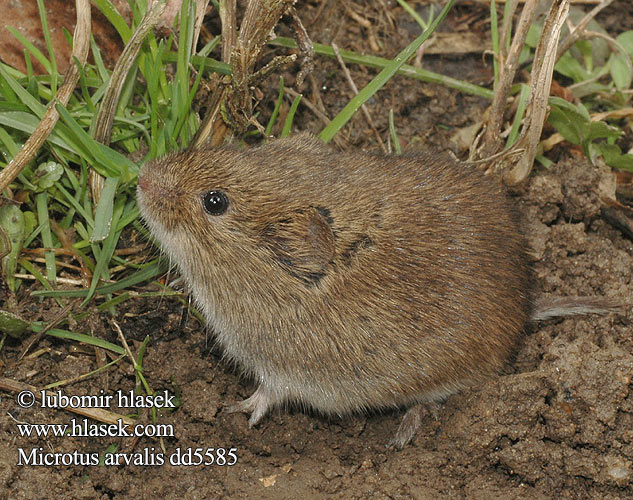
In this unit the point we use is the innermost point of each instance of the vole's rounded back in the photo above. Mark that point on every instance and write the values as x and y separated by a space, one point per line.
344 281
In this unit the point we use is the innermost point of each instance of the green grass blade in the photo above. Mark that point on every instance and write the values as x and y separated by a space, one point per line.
105 207
113 302
85 93
208 48
506 14
110 12
30 74
78 337
204 62
9 96
49 45
285 132
35 272
518 116
41 200
381 79
130 214
34 105
27 123
275 113
187 13
9 144
103 72
411 11
37 53
380 62
114 164
107 250
151 271
394 135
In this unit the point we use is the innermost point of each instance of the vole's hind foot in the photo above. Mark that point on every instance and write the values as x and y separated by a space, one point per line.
257 405
411 422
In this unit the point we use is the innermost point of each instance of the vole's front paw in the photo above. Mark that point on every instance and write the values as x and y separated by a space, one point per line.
257 405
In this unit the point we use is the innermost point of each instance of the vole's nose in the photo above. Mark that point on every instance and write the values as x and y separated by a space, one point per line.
152 184
143 181
148 182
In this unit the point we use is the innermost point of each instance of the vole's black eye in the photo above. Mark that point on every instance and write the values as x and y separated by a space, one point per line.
215 202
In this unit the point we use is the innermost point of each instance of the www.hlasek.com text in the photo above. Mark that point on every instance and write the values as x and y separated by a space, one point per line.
85 428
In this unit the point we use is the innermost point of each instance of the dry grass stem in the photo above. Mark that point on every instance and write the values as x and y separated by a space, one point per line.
98 414
306 47
575 34
318 113
228 18
507 70
229 108
506 29
201 10
81 44
124 343
105 115
541 82
354 88
56 320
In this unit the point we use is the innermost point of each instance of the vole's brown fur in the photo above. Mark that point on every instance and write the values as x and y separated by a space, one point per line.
345 281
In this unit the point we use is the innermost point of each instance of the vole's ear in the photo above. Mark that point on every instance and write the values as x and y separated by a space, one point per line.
302 243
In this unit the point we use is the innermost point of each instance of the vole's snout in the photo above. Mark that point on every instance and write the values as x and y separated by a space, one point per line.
143 180
151 185
147 179
159 198
148 192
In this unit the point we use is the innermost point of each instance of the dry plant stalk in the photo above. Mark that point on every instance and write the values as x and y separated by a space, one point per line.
306 47
354 88
507 69
578 30
228 18
81 44
518 166
230 105
201 10
517 162
105 116
542 73
212 130
573 2
107 109
99 414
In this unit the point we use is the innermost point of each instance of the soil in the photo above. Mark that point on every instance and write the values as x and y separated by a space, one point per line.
558 423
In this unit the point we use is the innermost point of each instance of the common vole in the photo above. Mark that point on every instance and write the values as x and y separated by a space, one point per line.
344 281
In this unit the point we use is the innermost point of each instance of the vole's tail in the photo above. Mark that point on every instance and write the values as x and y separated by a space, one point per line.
556 307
